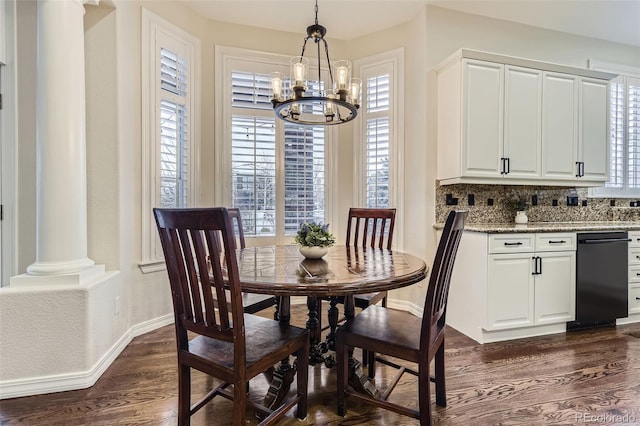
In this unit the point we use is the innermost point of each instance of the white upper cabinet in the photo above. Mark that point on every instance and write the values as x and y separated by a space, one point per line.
560 126
522 118
510 120
483 105
593 150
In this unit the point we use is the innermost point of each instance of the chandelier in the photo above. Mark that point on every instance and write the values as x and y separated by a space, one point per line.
296 100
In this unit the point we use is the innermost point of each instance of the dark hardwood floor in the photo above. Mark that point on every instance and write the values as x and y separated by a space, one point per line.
584 377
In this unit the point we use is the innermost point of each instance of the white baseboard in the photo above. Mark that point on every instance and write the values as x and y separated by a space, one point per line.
82 379
403 305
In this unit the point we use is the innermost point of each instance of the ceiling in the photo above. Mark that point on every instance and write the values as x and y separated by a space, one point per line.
613 20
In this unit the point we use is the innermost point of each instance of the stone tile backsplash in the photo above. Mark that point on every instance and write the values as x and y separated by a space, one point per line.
587 210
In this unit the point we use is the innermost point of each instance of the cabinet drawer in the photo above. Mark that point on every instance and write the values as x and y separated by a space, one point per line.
634 274
634 299
634 236
634 256
511 243
564 241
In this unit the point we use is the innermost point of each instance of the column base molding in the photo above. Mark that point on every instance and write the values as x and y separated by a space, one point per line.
69 278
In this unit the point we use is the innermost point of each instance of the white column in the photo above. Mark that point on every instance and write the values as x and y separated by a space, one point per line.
61 141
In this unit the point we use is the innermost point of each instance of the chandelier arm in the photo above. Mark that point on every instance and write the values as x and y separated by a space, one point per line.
319 68
326 51
304 45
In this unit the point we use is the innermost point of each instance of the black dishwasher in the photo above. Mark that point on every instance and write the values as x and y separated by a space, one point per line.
602 287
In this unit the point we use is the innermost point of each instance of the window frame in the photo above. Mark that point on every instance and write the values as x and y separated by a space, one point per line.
391 62
8 143
604 191
156 33
227 60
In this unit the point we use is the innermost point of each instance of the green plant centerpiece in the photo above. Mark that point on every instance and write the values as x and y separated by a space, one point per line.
314 240
517 203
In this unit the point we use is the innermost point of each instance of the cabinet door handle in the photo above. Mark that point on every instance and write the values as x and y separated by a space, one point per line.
557 242
539 260
508 165
577 169
537 265
503 168
638 257
637 298
513 244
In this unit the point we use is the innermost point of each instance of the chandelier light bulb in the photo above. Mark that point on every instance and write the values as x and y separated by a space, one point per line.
276 85
355 89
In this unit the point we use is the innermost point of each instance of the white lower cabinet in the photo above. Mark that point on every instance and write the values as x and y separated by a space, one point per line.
513 285
527 289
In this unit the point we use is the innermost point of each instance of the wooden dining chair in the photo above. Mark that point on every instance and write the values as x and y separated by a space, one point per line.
403 336
367 227
252 302
229 345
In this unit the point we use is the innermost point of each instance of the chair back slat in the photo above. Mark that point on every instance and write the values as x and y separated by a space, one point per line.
200 268
234 214
370 227
433 320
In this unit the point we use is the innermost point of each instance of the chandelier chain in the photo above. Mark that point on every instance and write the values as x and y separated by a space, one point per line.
316 9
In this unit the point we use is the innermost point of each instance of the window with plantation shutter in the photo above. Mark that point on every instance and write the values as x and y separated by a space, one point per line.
377 140
379 135
624 131
173 155
253 170
170 58
173 130
633 132
377 173
276 169
304 189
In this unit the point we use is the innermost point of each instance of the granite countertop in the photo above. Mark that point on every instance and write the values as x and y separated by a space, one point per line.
548 226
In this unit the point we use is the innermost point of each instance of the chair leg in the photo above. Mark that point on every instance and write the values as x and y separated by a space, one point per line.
424 394
371 357
342 371
384 302
239 402
441 393
302 372
184 395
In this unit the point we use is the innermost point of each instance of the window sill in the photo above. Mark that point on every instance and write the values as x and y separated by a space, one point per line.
152 266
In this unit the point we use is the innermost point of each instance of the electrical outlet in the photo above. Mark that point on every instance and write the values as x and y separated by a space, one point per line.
116 305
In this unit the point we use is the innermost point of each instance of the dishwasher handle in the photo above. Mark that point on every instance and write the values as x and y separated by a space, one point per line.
603 240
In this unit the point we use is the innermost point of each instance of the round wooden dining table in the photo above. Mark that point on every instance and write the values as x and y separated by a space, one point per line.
342 273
